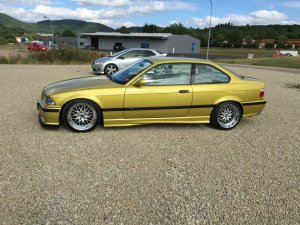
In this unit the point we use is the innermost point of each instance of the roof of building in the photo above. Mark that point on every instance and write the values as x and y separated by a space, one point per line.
294 41
267 41
131 35
271 41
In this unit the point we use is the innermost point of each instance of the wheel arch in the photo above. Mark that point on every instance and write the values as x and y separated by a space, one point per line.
75 99
235 100
111 63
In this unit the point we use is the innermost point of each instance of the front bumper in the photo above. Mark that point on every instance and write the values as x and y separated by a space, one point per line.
48 115
98 68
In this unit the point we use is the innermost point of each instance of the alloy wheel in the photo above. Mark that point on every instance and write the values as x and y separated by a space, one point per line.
82 116
228 115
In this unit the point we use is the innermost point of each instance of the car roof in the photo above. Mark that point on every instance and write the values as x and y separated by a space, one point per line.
176 59
142 49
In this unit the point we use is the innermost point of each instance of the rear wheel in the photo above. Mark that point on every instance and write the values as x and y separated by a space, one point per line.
110 69
81 115
226 115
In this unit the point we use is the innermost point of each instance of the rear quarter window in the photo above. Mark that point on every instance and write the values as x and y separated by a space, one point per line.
207 74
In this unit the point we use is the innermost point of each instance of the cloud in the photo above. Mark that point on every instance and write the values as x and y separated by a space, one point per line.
27 2
108 3
261 17
79 13
113 16
142 7
126 24
292 4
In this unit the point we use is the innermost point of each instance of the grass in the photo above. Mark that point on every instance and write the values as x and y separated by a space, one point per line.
293 85
285 62
54 56
263 52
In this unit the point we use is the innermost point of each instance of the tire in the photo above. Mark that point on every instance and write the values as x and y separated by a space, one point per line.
81 115
226 115
110 69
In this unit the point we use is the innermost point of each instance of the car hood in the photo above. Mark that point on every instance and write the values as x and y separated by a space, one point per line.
102 60
78 84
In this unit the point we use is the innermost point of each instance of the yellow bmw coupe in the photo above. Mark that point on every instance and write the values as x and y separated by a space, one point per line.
154 90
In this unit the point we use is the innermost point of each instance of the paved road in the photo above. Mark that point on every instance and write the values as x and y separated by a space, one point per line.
156 174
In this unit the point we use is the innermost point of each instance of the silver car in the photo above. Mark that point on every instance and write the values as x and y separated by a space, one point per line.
109 65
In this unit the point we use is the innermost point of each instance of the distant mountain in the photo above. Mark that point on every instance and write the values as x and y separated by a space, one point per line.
10 22
76 26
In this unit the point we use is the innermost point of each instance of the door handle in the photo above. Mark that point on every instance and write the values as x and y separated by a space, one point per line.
183 91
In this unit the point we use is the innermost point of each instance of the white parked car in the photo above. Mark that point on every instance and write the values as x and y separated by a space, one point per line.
111 64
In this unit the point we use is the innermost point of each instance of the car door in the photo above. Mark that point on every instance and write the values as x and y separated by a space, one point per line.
166 92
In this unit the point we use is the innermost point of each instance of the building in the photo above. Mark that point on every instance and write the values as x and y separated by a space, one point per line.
67 41
163 42
293 43
265 42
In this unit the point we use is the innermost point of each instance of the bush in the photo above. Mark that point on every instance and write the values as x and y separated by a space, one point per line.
269 45
65 55
254 45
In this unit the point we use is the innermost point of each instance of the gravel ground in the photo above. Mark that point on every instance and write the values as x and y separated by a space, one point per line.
152 174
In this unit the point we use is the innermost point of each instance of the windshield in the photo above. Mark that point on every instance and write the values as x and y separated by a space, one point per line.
125 75
119 53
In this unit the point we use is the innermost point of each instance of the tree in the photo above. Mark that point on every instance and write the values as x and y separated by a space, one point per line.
68 33
123 30
235 38
151 28
177 29
31 36
219 39
281 42
57 34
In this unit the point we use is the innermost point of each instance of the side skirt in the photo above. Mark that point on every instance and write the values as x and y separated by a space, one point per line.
134 122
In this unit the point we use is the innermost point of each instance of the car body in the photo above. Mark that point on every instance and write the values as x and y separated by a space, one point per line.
111 64
154 90
277 54
37 47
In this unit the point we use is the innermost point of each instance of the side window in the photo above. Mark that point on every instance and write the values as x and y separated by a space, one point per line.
130 54
140 53
206 74
168 74
148 53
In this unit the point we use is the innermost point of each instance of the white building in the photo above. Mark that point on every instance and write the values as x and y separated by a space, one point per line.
163 42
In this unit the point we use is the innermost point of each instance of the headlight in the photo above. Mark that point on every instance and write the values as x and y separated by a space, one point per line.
50 101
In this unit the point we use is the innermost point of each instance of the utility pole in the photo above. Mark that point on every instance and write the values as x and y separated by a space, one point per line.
208 42
51 29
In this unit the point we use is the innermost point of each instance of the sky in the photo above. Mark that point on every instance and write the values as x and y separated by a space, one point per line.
191 13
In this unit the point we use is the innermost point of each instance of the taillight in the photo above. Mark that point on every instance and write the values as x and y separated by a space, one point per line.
262 93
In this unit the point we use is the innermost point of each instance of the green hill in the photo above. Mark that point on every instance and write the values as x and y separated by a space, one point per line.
76 26
10 22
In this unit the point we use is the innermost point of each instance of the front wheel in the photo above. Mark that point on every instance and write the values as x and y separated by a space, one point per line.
226 115
81 115
110 69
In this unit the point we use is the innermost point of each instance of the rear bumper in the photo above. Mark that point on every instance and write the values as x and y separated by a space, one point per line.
48 115
253 108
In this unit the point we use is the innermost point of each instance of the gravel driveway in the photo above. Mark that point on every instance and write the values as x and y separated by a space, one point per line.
152 174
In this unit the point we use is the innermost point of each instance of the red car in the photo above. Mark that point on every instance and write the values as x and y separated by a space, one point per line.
277 54
37 47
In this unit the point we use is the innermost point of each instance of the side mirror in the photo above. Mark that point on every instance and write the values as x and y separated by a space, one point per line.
122 57
140 82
